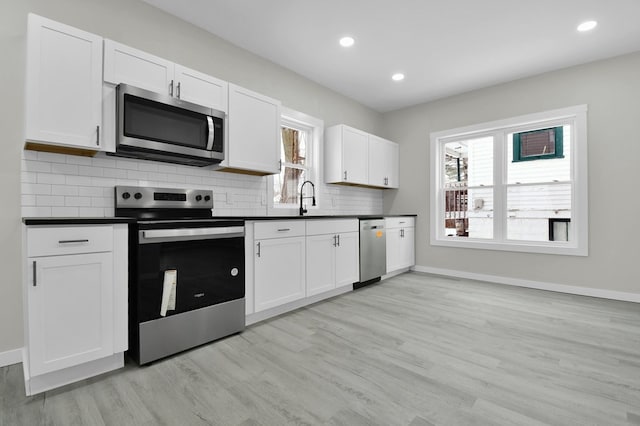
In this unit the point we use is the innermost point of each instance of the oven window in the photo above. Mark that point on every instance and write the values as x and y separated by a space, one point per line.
208 272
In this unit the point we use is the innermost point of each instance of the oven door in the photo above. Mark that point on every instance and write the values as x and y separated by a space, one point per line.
160 127
209 262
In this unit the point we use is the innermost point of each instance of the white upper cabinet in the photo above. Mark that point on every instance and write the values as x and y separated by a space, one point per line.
124 64
359 158
198 88
346 155
383 162
63 85
253 132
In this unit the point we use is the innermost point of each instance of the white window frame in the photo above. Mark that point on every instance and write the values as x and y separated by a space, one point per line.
578 236
293 118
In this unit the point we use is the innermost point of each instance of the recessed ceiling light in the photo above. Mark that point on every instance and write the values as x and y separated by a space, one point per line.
347 41
587 26
397 76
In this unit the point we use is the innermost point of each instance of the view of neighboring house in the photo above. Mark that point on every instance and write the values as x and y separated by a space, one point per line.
537 181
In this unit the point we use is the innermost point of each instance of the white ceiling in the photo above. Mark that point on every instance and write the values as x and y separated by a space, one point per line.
444 47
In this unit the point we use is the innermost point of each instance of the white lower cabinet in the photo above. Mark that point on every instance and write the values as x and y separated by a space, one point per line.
332 254
75 303
279 263
400 243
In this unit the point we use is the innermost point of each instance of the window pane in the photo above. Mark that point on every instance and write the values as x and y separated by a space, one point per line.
468 179
286 185
544 170
529 209
294 146
469 161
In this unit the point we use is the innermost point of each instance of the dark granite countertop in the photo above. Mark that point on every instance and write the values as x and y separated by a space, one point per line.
75 220
112 220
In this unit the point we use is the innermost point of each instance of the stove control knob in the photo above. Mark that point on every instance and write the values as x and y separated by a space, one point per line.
137 195
126 195
198 197
207 197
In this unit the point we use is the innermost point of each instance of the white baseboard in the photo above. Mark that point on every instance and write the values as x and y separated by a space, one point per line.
13 356
540 285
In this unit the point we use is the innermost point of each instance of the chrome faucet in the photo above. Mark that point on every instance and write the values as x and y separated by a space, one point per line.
313 187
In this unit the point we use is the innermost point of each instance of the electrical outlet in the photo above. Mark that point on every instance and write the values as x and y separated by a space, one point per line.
229 198
263 199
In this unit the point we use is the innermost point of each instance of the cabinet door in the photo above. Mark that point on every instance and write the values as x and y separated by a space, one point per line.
63 85
124 64
253 132
355 155
198 88
394 255
70 310
279 270
383 162
347 259
407 248
321 263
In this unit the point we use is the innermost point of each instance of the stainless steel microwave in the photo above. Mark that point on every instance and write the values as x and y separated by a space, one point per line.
159 127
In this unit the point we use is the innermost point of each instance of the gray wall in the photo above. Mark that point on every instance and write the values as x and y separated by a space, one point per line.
611 89
139 25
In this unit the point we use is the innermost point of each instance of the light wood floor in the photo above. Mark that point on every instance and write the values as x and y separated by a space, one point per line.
413 350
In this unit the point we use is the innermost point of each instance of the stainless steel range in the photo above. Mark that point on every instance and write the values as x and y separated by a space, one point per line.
186 270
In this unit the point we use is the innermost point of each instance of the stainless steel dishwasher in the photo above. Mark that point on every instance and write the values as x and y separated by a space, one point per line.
373 251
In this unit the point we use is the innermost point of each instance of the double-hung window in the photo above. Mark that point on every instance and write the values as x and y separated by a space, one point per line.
299 148
518 184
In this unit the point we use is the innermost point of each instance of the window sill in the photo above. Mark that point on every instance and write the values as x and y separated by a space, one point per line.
566 249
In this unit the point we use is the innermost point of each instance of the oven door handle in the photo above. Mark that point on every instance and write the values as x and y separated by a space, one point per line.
185 234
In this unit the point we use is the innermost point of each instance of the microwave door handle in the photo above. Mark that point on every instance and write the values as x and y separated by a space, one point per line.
210 138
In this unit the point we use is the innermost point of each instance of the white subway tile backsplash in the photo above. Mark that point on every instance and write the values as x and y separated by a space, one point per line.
28 177
28 200
36 166
36 189
61 185
103 162
51 178
80 160
92 212
90 171
127 164
77 201
91 191
78 180
115 173
64 169
29 155
64 212
51 157
64 190
28 211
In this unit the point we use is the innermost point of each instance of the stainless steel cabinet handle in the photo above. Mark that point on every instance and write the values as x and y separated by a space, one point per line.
284 229
98 135
338 240
171 88
258 253
178 91
345 175
72 241
335 240
402 233
34 273
280 165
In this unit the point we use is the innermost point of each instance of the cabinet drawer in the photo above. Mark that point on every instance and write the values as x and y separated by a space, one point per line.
59 240
400 222
339 226
278 229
